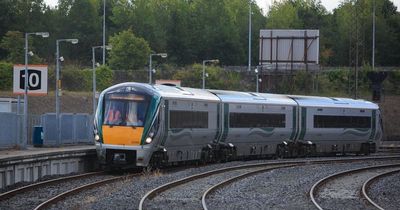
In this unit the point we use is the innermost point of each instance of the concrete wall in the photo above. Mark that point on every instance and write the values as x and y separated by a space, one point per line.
30 168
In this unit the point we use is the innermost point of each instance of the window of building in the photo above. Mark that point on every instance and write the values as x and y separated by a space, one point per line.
188 119
327 121
256 120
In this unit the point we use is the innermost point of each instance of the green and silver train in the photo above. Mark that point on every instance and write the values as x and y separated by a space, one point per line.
140 125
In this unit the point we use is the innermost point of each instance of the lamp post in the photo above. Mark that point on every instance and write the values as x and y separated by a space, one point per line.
256 71
373 36
249 67
104 32
204 69
94 73
26 78
163 55
58 84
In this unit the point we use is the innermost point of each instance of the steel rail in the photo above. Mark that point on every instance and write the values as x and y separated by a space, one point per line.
74 191
236 178
367 184
153 193
14 192
322 181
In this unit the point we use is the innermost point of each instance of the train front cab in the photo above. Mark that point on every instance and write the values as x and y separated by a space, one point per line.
124 125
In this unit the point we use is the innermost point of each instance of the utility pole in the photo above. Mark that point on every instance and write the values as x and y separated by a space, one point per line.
373 36
249 67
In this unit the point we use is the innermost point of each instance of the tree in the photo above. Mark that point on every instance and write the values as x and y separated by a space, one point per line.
13 43
357 14
128 51
79 19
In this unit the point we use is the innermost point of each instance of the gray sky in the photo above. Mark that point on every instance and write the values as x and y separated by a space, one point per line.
264 4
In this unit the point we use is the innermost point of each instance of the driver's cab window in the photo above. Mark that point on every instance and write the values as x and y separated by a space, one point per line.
125 110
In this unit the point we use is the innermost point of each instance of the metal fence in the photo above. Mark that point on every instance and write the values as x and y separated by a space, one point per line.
75 129
10 129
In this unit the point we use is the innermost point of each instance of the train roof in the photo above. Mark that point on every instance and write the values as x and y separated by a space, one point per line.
250 97
317 101
226 96
167 91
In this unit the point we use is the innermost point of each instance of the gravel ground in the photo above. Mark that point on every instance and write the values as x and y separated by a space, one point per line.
344 192
186 196
385 191
127 194
279 189
32 198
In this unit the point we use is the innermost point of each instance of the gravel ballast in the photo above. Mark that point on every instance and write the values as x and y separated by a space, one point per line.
281 188
385 191
32 198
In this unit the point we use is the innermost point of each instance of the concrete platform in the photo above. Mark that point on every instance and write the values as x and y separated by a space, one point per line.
33 163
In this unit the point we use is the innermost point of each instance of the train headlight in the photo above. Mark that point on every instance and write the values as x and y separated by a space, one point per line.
149 140
96 137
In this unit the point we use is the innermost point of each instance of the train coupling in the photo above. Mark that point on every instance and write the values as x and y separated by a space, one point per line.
119 158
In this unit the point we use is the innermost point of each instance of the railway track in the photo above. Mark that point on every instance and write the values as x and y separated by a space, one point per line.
31 187
28 197
222 184
343 189
44 194
74 191
242 171
368 183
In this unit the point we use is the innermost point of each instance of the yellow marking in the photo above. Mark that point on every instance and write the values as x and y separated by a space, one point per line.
122 135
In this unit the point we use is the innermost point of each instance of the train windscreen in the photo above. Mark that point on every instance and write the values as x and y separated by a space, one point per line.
125 109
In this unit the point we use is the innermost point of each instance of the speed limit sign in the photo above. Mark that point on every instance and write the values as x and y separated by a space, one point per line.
37 79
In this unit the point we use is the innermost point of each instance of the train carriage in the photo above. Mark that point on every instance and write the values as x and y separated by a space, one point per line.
140 125
255 123
338 124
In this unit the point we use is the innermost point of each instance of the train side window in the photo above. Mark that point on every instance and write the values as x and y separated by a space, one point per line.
256 120
327 121
188 119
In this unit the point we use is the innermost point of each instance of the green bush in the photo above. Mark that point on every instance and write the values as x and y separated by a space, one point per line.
392 83
6 76
104 77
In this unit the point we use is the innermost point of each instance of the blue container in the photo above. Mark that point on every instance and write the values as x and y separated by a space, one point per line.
37 137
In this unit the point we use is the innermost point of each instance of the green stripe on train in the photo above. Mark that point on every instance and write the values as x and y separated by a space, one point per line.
152 111
166 120
226 122
303 123
373 126
292 136
216 138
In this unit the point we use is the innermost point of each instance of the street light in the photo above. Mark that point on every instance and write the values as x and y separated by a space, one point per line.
249 36
25 123
204 69
373 36
257 78
58 84
163 55
108 47
104 32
